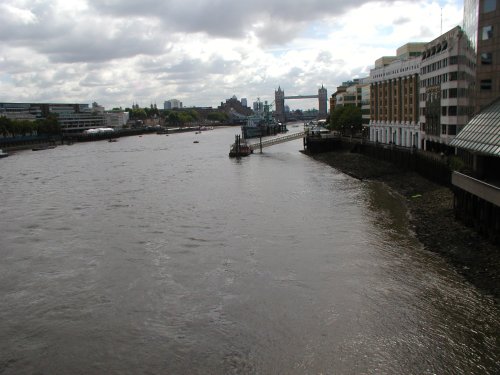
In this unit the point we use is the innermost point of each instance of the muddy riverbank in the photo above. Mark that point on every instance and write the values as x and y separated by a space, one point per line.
431 216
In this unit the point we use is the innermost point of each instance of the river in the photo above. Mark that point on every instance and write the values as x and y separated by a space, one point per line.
157 255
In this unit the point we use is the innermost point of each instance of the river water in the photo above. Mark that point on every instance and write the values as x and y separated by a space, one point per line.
157 255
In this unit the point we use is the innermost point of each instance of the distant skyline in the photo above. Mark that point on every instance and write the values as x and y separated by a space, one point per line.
119 52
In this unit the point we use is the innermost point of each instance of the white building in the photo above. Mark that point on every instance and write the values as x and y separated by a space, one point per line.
116 119
446 86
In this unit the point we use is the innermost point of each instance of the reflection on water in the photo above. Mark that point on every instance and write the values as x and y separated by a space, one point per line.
157 255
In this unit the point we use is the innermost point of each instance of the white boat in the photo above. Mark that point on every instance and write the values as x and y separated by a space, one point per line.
3 154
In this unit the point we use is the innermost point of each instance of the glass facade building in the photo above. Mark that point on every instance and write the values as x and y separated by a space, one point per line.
482 26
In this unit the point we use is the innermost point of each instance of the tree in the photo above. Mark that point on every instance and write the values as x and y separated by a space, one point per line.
346 119
334 119
49 125
217 116
5 126
138 114
173 118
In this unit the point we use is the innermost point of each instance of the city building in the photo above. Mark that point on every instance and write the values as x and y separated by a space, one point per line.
333 99
258 106
482 26
71 117
394 98
96 108
244 102
116 119
365 103
21 111
447 73
172 104
350 95
237 113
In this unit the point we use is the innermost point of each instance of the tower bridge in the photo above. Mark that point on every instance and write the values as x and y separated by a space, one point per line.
279 99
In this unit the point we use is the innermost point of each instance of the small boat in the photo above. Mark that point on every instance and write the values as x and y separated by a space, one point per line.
196 142
41 148
239 150
112 140
3 154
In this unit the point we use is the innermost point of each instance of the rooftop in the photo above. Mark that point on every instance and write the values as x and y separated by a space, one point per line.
482 133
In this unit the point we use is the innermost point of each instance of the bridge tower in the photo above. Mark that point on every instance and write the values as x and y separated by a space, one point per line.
322 102
279 101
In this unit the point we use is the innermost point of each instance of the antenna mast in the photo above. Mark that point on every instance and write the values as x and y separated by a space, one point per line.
441 33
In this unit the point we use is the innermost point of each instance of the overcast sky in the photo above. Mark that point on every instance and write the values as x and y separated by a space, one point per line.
118 52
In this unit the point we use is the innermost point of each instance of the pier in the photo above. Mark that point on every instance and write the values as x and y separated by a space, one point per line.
275 140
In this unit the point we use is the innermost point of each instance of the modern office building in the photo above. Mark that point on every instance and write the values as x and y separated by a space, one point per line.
337 97
116 119
71 117
446 85
258 106
172 104
394 98
482 26
365 103
350 95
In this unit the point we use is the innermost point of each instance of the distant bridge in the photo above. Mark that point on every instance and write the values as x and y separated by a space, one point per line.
276 140
301 97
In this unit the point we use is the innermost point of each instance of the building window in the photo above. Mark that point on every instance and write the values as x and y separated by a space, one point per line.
486 58
452 129
489 6
485 84
453 76
443 111
444 94
453 60
453 93
452 110
487 32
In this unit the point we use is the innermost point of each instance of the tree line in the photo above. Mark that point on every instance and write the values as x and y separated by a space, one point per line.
173 117
12 128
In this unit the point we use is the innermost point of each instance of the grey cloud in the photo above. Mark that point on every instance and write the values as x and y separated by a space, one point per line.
188 69
81 49
425 33
324 57
90 37
115 29
401 21
229 18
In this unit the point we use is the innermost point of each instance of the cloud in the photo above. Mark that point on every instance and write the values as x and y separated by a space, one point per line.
401 21
118 52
